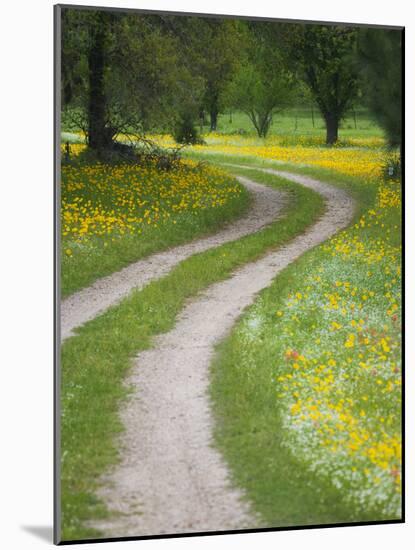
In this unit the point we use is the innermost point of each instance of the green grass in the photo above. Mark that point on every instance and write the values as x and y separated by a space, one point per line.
250 435
95 362
298 121
292 122
72 137
99 252
271 452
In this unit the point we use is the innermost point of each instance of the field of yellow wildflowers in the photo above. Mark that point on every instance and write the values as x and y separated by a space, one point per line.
338 369
355 156
112 215
361 158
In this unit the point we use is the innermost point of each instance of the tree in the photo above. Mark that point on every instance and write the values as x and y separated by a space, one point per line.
380 61
84 63
210 47
100 135
324 56
262 85
126 69
194 36
218 48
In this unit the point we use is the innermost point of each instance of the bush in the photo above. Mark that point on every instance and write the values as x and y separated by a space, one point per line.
143 152
117 153
185 131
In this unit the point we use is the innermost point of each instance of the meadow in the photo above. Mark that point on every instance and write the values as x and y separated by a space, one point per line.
306 390
112 215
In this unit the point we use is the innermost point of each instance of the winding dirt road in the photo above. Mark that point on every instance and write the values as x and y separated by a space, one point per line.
171 479
89 302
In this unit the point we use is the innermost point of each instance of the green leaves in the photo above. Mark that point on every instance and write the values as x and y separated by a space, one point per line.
262 85
324 58
380 63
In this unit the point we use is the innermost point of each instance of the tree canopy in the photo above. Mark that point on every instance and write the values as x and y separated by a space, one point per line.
120 71
324 57
381 67
124 72
262 85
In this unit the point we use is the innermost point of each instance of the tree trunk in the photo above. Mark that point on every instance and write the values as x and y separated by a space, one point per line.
213 119
265 125
332 128
99 137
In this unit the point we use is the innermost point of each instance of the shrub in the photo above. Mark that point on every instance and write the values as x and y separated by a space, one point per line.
185 131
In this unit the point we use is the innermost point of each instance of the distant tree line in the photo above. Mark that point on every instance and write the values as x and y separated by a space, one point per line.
124 72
